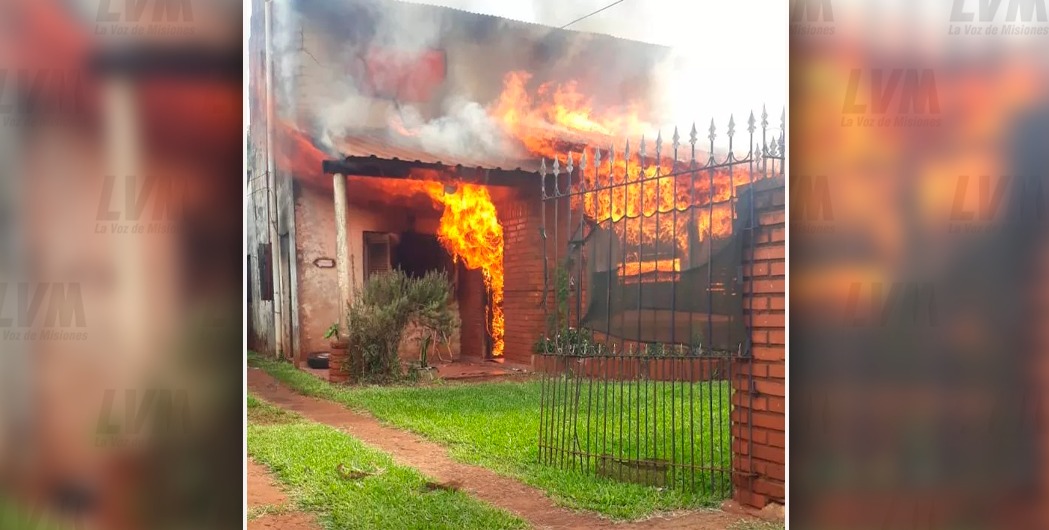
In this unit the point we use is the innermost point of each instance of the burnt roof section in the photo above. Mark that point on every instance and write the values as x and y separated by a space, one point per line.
391 146
618 68
377 155
372 166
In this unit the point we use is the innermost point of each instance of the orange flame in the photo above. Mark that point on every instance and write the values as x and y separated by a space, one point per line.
297 153
645 267
470 230
558 112
648 199
548 124
648 203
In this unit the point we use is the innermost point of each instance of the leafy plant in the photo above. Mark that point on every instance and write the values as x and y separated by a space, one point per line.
696 343
562 289
333 331
385 307
566 339
571 341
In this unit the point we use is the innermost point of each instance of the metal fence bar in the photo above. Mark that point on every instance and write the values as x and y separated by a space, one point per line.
652 397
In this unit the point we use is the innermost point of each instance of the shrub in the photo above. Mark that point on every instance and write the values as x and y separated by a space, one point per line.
382 311
571 341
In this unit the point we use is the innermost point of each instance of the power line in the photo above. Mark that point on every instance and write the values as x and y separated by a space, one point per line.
592 14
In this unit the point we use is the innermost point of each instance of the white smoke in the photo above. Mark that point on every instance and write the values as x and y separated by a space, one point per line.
339 117
727 57
725 60
465 130
285 27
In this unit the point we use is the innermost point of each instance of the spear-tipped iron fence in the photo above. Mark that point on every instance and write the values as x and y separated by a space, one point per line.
643 293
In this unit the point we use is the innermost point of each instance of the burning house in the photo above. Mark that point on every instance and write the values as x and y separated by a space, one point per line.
430 125
542 172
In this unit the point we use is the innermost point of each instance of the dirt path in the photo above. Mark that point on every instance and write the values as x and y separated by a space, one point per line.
431 459
263 494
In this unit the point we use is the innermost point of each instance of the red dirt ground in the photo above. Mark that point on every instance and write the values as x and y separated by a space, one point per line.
433 460
263 491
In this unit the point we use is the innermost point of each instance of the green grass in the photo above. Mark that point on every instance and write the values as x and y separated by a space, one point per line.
261 412
269 509
649 421
17 516
496 425
307 457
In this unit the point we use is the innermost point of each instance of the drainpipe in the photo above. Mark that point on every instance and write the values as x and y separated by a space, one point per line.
341 250
271 186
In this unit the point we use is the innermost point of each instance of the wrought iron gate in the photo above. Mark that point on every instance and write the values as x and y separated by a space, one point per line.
643 293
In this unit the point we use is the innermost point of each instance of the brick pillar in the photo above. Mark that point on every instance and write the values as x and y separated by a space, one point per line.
523 264
759 405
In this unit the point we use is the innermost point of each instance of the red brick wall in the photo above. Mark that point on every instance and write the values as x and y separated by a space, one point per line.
522 217
523 266
759 412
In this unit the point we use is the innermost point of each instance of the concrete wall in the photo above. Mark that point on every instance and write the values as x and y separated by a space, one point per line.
317 287
260 314
262 332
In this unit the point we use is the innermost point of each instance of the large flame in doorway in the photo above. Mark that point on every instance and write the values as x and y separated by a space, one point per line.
470 230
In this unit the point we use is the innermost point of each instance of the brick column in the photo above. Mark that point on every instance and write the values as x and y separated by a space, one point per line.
523 266
759 404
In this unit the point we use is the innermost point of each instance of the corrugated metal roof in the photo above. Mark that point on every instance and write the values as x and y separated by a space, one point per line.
381 145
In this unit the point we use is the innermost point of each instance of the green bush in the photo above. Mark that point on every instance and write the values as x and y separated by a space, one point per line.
383 309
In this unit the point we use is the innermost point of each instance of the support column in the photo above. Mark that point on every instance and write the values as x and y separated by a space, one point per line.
279 317
342 250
